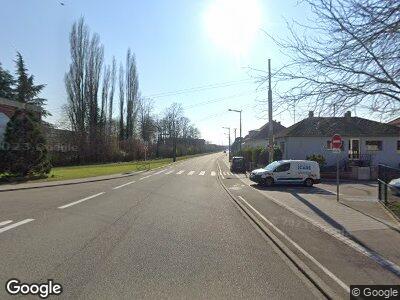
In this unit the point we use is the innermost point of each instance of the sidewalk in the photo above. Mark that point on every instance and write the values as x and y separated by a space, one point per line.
358 216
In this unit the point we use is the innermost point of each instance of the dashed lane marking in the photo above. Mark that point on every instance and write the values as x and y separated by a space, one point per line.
79 201
3 229
125 184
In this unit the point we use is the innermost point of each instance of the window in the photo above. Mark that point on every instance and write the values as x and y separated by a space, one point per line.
373 145
283 168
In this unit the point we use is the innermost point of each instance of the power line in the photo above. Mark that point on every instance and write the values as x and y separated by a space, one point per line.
200 88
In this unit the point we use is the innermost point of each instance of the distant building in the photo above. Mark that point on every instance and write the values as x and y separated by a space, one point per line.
7 109
365 142
259 137
395 122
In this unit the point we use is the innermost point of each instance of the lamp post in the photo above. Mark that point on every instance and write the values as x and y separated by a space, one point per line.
240 126
229 141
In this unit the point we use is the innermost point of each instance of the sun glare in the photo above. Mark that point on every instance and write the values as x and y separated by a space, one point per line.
233 24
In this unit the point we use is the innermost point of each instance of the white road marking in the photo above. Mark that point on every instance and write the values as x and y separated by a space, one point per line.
169 172
220 172
15 225
213 173
145 177
5 222
191 173
202 173
304 252
79 201
122 185
180 172
159 172
224 173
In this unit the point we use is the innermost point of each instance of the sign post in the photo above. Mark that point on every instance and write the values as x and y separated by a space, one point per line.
336 143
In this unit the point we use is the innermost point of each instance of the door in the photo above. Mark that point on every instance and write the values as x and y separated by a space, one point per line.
283 173
354 149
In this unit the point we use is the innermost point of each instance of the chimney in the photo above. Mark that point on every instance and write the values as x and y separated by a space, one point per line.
347 115
310 114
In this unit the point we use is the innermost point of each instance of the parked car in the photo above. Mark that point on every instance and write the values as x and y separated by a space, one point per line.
238 164
394 186
287 172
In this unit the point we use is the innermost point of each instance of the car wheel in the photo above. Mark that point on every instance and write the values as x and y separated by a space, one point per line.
308 182
268 181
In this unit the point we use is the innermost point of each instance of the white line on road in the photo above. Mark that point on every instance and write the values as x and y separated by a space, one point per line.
79 201
5 222
213 173
225 173
180 172
122 185
202 173
159 172
220 172
15 225
169 172
191 173
304 252
145 177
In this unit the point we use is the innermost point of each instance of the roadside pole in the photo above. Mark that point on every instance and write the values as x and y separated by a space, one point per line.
336 143
337 176
270 122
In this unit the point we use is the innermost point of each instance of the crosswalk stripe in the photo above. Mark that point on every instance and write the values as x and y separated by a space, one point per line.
202 173
169 172
224 173
191 173
213 173
220 172
180 172
159 172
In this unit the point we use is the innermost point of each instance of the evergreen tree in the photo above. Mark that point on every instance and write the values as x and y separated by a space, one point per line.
6 84
25 90
25 152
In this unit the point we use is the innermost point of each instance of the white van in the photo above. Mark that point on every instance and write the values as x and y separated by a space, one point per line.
288 171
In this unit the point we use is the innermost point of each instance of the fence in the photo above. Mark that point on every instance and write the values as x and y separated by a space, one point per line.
388 193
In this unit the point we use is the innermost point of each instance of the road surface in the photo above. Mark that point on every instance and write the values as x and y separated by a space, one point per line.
168 233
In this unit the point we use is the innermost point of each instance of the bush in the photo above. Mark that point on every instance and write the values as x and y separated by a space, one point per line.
277 153
320 159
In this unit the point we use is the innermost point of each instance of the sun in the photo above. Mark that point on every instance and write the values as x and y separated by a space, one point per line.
233 24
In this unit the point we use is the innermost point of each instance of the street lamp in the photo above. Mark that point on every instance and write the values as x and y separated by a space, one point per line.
229 141
240 128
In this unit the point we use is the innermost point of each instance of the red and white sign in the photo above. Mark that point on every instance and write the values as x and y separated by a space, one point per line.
336 142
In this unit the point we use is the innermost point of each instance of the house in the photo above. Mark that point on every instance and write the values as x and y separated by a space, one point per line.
7 109
395 122
365 142
259 137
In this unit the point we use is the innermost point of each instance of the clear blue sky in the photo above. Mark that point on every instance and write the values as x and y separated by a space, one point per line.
178 44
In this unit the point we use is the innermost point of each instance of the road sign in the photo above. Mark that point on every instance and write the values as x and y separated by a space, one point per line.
336 142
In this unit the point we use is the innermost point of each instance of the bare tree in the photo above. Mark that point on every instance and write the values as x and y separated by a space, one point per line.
111 95
147 123
132 90
75 82
121 102
348 58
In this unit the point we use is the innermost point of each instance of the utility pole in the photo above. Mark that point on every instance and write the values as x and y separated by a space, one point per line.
234 130
271 130
229 141
240 127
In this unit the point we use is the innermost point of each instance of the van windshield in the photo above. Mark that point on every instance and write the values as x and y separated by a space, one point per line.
271 167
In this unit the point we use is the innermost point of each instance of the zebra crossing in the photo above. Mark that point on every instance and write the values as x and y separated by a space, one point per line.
192 173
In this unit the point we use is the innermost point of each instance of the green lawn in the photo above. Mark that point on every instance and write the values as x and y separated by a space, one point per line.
74 172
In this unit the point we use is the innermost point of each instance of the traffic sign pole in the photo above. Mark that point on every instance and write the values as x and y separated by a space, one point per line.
336 143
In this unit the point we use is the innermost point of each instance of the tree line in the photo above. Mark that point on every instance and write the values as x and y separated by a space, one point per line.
125 130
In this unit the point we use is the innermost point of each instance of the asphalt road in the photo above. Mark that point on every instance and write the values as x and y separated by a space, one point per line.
168 233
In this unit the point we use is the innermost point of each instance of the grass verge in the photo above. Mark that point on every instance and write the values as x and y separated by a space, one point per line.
85 171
